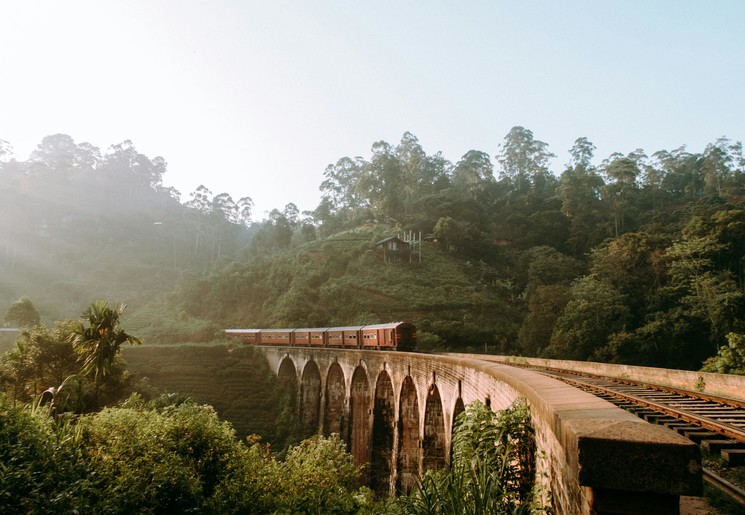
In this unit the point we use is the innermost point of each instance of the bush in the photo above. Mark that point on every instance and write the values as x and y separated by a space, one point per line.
492 471
169 456
731 357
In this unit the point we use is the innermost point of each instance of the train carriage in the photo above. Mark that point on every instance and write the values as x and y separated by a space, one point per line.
373 336
275 336
245 335
345 337
391 336
315 337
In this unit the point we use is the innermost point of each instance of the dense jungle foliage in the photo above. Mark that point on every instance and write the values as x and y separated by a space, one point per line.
164 458
173 456
635 259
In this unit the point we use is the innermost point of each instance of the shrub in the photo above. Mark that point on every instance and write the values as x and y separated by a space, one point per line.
493 467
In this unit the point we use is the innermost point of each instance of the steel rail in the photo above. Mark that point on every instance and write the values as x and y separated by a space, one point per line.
737 494
705 422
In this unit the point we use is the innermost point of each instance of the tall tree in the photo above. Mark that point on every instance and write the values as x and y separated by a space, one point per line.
582 153
124 159
524 160
57 152
245 209
224 206
412 161
679 171
579 185
99 336
595 311
384 180
23 313
621 188
716 161
200 199
342 192
473 174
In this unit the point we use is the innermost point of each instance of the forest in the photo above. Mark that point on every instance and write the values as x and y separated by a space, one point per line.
635 258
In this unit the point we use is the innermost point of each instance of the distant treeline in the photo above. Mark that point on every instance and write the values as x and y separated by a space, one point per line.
634 259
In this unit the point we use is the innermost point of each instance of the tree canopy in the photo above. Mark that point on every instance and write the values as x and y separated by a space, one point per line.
637 257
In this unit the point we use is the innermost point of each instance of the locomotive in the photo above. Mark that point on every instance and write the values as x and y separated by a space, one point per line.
391 336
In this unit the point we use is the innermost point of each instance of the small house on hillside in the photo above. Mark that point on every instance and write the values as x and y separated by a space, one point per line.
392 249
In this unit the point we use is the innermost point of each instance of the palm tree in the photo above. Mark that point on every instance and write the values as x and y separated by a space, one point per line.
100 340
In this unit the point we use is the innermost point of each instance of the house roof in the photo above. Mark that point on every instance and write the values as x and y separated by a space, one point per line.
390 238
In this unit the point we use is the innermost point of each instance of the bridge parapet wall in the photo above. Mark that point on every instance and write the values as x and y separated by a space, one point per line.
726 385
595 457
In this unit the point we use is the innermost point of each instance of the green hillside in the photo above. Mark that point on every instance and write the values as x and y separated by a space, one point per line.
636 259
344 280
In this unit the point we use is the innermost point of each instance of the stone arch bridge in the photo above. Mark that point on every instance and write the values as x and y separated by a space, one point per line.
396 410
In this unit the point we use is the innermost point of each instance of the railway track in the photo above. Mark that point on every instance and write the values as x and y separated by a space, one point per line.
716 423
698 416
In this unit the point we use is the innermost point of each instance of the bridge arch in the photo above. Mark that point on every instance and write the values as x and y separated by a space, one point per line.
335 401
384 419
359 414
287 374
433 443
409 455
310 395
287 379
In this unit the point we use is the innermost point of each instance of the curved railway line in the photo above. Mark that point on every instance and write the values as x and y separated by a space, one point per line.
717 423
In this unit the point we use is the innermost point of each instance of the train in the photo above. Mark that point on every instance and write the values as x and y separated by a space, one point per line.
390 336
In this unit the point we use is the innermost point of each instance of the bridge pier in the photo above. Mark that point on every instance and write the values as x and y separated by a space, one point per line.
401 407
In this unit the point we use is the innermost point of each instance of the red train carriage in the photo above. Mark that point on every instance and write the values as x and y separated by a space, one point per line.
310 336
345 337
245 335
275 336
389 336
396 335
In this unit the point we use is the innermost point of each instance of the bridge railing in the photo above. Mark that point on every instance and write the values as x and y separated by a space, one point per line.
726 385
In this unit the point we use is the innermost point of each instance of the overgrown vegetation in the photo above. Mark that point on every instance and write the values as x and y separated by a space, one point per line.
164 458
171 455
730 359
75 366
493 467
635 259
236 381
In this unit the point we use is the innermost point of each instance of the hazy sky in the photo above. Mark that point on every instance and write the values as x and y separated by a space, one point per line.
257 97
